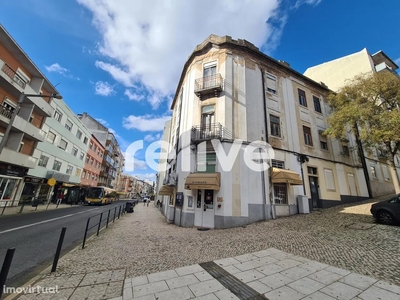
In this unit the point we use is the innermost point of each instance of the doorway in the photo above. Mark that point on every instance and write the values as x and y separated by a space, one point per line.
314 191
207 121
204 211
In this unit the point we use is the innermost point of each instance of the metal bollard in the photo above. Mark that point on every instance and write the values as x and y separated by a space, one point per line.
4 208
22 208
86 230
108 217
98 228
59 246
5 268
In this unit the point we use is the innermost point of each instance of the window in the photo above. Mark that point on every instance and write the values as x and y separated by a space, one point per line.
209 164
88 176
63 144
373 172
324 145
190 201
43 161
385 173
31 119
280 193
312 170
302 98
57 165
317 104
271 83
9 107
78 172
21 145
280 164
307 136
275 126
95 148
69 169
83 174
57 116
345 150
87 159
82 155
74 151
91 145
85 140
68 125
51 137
79 134
91 161
92 176
329 180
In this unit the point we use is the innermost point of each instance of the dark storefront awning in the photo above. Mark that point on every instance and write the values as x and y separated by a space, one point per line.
203 181
286 176
166 190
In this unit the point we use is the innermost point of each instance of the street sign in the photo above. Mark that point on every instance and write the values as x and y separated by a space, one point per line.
51 182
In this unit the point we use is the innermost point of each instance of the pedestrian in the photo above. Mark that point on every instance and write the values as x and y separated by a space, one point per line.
148 201
144 201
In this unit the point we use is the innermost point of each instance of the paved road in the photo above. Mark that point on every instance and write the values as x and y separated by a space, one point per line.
35 237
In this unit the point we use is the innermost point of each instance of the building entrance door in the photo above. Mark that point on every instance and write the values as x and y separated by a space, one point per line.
204 211
314 191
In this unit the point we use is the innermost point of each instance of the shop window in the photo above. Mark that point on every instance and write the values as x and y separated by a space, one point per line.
280 193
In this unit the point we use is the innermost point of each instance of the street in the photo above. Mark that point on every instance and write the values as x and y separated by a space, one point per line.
35 237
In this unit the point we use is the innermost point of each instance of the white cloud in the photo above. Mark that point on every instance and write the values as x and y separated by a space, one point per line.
397 61
133 96
146 122
103 122
57 68
310 2
148 42
103 88
152 138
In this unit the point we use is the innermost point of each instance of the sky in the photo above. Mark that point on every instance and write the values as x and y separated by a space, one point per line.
120 60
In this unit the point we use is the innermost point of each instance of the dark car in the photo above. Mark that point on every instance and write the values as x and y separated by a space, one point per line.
387 212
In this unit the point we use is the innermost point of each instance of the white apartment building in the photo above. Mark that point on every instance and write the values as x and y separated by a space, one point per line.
335 74
60 156
232 94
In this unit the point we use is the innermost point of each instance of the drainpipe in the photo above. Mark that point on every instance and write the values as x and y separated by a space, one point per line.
269 169
362 158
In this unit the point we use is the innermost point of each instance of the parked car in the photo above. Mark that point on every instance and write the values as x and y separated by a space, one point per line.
387 212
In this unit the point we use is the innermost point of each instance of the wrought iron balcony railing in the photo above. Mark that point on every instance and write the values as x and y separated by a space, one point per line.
13 75
208 84
209 132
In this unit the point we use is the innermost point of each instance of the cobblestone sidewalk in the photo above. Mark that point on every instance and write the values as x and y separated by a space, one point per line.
143 243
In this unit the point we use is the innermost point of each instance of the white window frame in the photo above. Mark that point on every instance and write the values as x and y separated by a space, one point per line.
47 161
74 149
79 134
63 141
47 137
69 170
69 125
58 115
271 83
329 180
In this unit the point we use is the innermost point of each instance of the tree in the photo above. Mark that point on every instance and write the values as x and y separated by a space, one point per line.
369 106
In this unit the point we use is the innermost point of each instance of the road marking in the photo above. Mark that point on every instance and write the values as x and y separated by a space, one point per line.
46 221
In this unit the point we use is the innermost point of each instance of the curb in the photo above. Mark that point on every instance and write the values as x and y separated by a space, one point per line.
45 271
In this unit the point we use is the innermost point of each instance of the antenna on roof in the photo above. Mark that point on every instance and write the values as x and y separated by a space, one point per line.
57 84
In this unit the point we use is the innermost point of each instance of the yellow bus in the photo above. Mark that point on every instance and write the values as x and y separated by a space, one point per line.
100 195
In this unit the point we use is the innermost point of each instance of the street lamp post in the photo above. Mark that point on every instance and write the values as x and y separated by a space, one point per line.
15 112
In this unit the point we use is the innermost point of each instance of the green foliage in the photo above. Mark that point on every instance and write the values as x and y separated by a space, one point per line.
373 103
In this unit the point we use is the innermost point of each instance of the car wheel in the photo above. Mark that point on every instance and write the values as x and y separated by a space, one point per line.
385 218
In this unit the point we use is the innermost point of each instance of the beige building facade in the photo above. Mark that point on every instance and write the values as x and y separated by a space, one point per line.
232 95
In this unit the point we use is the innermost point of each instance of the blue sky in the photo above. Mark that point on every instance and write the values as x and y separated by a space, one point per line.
120 60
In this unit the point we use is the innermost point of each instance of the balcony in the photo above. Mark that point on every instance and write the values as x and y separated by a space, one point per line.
15 158
170 179
13 76
383 67
208 85
210 132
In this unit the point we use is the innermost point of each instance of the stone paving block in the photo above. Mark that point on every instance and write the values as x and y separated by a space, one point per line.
250 275
358 281
306 286
181 281
249 265
162 276
259 286
206 287
227 261
189 270
388 286
182 293
147 297
296 273
374 293
150 288
140 280
262 253
288 263
319 296
276 280
116 298
284 293
314 266
274 250
102 277
281 255
207 297
245 257
325 277
267 260
339 271
271 269
300 258
127 293
226 295
203 276
340 291
231 269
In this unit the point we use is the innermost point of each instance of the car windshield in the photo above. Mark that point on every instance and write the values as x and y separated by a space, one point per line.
95 193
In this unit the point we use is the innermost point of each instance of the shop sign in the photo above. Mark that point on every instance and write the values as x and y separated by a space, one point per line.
33 180
51 182
10 170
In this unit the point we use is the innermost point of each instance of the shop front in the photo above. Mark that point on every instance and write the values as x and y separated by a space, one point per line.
11 177
34 188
